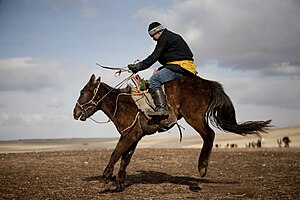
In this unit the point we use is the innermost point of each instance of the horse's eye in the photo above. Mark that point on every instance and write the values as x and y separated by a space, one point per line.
81 92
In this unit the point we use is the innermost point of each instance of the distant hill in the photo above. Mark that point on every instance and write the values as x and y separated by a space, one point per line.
222 139
162 140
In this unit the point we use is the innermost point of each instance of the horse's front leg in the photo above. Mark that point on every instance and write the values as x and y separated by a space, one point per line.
108 172
123 146
124 163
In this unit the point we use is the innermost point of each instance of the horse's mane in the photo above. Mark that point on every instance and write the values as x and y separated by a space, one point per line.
127 89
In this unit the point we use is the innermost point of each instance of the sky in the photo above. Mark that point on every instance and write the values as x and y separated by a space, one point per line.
48 51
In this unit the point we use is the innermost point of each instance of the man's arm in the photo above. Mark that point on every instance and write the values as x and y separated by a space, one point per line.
152 58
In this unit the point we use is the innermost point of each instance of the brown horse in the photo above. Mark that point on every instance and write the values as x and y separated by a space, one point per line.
195 99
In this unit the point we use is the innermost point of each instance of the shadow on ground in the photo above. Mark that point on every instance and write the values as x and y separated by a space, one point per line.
155 177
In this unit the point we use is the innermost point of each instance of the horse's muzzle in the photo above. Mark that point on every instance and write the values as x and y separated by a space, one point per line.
77 113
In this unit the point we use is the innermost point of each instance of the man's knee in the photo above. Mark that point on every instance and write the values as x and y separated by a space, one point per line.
154 82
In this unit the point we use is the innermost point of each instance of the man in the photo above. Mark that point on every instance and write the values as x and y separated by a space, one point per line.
177 59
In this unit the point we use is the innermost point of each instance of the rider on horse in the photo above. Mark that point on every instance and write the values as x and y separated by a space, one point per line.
177 59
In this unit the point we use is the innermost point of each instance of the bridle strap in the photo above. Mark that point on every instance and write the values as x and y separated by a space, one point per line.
92 99
117 86
95 94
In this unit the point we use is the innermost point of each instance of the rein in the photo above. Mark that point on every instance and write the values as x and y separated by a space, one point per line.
96 103
117 86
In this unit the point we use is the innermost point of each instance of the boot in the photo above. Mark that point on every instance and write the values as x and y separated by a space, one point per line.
162 109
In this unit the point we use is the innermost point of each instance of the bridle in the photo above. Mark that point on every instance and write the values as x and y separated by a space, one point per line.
95 103
92 101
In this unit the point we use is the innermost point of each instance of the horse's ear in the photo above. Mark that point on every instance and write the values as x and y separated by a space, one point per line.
92 79
99 79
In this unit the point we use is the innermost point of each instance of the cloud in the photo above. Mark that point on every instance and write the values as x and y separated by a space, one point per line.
246 35
282 69
84 7
55 103
281 93
22 119
29 74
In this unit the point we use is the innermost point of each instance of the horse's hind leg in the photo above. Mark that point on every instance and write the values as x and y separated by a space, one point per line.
208 139
208 136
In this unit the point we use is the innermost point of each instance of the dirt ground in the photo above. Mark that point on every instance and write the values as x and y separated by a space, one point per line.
268 173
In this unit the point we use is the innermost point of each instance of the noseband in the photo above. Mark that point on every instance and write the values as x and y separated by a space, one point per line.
92 101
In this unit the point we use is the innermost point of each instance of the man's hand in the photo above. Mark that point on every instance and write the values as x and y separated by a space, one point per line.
134 67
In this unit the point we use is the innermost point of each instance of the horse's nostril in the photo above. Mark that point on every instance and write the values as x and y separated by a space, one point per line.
76 117
77 113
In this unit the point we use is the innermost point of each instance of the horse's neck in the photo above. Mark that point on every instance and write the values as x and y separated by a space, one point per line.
108 100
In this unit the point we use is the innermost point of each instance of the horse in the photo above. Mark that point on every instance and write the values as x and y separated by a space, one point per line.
197 100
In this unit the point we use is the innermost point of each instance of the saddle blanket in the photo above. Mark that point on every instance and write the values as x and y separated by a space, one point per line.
146 105
144 102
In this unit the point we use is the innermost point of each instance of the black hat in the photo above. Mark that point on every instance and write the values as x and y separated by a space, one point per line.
154 28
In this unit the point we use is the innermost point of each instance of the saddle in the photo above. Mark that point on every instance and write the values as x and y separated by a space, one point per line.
145 103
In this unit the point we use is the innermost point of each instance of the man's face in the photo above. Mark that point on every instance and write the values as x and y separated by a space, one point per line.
156 36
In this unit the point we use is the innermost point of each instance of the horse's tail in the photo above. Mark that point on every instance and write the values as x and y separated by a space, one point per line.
221 114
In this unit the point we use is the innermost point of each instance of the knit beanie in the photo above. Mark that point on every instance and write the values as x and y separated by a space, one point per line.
154 28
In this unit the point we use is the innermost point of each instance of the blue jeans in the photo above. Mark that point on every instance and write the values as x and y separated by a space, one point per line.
160 77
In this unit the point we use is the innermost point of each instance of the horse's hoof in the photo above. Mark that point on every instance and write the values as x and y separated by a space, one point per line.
120 183
202 172
120 188
106 180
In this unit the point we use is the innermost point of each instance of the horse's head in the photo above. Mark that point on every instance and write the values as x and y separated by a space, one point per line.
86 104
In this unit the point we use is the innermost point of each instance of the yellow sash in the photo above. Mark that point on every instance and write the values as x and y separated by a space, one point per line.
186 64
